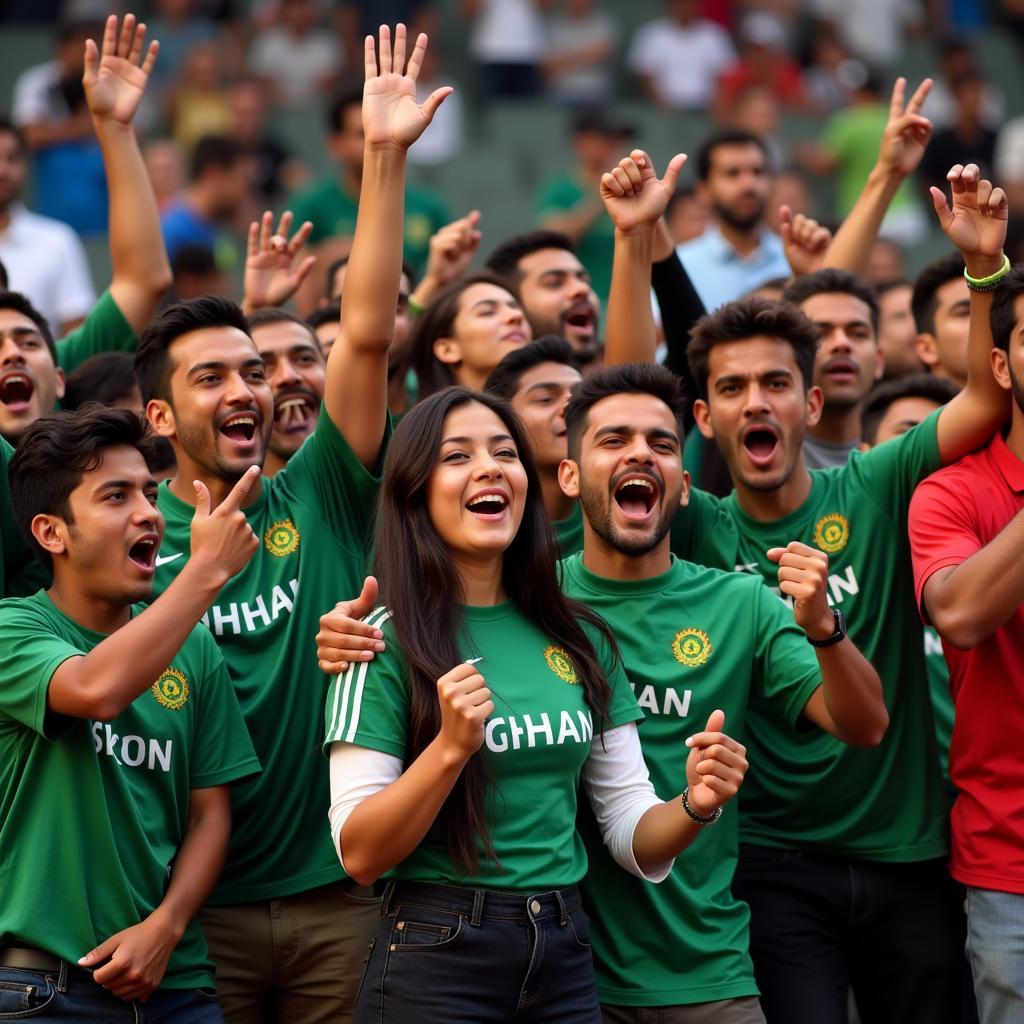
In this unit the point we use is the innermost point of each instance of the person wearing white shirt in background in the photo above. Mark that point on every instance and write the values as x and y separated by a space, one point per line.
507 43
44 258
679 57
581 40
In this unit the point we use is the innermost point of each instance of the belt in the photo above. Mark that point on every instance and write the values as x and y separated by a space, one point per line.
20 959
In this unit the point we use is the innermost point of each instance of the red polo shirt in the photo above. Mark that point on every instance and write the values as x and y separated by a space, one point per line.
954 513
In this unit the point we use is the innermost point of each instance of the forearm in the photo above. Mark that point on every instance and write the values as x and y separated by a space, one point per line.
681 307
663 832
386 827
45 133
198 863
140 269
105 681
575 222
851 246
852 693
970 601
630 336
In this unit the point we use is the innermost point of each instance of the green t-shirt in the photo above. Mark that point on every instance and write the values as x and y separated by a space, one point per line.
853 136
14 552
103 330
596 246
942 699
569 532
312 521
885 803
92 813
692 640
333 212
536 743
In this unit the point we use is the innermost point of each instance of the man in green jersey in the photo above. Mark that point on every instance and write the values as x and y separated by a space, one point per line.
32 365
287 930
691 639
119 732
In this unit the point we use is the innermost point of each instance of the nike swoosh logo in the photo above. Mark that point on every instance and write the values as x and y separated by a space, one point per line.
166 558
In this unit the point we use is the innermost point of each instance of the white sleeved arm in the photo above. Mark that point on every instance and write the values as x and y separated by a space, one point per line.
356 773
619 788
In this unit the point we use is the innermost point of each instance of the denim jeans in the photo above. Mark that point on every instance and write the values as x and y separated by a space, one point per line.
46 997
470 956
995 945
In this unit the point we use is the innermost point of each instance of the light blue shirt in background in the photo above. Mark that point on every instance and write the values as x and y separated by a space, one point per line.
720 274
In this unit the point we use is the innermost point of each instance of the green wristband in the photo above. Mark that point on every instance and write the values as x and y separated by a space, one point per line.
986 284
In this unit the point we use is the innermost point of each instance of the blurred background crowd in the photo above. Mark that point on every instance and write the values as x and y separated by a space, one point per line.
254 104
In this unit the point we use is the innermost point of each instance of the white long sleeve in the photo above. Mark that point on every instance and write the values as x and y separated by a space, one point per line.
619 788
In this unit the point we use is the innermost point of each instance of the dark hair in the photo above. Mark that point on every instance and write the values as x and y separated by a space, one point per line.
105 378
438 321
332 311
153 366
506 257
726 137
503 380
193 259
914 385
8 127
924 299
627 379
1003 316
342 261
884 287
56 451
216 151
21 304
352 97
681 194
749 318
273 315
420 586
832 280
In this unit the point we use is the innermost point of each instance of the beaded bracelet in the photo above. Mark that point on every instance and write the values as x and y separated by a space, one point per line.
987 284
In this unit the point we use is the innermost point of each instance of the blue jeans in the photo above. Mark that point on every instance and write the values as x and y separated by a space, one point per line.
472 956
46 997
995 946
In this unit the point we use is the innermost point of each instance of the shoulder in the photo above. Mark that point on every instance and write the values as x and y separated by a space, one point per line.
24 611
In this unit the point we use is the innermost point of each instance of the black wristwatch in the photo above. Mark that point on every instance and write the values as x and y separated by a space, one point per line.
836 637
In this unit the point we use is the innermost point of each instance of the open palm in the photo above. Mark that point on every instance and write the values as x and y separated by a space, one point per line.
391 115
113 79
976 224
634 195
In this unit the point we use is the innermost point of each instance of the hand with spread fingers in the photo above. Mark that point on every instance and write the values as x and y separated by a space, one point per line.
803 576
715 767
343 637
633 194
391 115
804 240
907 132
114 79
976 224
272 275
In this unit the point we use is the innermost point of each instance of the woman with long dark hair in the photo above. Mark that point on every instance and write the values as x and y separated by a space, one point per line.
465 332
456 754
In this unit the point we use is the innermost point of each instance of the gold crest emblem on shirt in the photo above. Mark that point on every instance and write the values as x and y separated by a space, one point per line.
282 538
171 689
832 532
692 647
561 664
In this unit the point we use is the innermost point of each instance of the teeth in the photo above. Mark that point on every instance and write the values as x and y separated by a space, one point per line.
243 421
636 483
16 378
487 498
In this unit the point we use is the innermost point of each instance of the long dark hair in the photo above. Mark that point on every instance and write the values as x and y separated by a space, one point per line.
438 321
421 587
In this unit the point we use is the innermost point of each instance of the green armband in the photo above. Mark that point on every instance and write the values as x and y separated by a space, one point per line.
986 284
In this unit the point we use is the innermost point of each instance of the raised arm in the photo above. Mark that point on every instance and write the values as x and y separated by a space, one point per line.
274 270
635 199
976 225
356 391
903 143
114 86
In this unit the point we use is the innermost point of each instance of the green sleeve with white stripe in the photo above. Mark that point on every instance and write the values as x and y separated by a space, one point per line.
369 704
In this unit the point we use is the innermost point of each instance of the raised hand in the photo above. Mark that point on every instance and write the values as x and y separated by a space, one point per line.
907 132
976 224
222 539
465 704
632 193
452 249
391 115
804 240
271 273
803 576
715 766
343 638
113 79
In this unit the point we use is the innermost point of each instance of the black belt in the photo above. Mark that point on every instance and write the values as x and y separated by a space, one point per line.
18 958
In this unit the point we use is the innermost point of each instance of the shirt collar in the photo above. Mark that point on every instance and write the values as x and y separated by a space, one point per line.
1011 467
